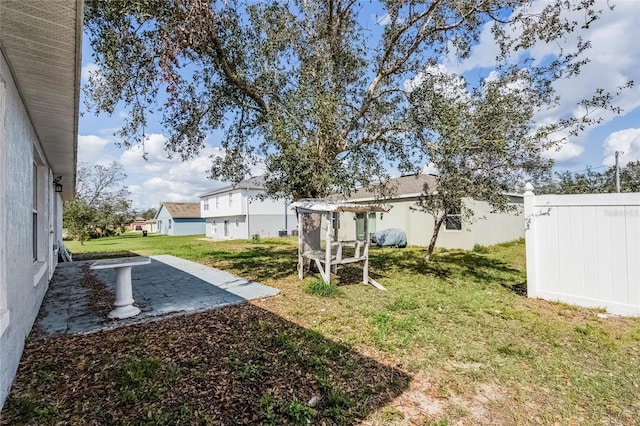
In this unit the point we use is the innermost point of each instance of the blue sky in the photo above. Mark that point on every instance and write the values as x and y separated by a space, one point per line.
614 60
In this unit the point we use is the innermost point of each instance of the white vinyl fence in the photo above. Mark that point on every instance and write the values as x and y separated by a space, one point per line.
584 249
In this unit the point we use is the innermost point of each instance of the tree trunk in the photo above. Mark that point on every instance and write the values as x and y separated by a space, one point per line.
436 230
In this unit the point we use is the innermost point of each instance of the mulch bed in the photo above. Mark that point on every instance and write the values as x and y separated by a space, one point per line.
236 365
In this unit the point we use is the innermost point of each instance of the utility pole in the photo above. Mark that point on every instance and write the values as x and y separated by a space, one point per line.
618 171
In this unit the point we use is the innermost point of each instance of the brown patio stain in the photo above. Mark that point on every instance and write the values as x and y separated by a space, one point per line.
100 297
236 365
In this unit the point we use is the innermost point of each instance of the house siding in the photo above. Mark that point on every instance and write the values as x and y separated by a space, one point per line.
23 282
162 221
188 226
179 226
233 233
487 228
265 217
270 225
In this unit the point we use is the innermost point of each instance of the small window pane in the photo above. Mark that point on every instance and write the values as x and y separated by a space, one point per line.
453 222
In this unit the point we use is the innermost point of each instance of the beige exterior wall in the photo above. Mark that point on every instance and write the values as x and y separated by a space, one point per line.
488 228
494 228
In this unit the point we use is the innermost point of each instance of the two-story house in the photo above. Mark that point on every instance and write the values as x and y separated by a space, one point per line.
239 211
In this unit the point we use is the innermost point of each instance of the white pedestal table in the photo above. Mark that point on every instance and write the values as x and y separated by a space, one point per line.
124 293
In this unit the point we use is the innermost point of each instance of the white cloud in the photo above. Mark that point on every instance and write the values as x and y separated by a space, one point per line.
153 148
89 70
614 59
159 178
429 169
92 150
627 141
451 85
565 152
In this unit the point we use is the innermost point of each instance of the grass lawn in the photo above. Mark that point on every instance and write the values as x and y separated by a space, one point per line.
452 341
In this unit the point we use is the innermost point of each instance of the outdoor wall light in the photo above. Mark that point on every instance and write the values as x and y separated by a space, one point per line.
57 185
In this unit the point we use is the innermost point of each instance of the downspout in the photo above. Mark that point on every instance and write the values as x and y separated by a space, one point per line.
247 209
286 217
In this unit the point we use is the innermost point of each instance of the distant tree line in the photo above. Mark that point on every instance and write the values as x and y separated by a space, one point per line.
101 206
591 181
148 214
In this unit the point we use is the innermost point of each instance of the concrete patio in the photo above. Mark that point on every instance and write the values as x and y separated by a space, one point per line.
166 286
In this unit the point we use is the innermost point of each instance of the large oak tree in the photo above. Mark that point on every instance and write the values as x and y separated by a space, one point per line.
308 86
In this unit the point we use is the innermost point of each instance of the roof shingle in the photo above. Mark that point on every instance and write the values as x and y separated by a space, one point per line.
256 182
183 210
404 185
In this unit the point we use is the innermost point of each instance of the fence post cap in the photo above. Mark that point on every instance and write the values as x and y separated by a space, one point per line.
528 189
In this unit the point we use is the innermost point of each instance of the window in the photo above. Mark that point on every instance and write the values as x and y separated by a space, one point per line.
170 223
217 202
214 227
360 224
230 199
39 237
453 221
206 204
237 223
372 223
41 189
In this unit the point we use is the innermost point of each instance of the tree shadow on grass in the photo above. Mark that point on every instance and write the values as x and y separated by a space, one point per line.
479 267
259 262
236 365
445 264
411 260
519 288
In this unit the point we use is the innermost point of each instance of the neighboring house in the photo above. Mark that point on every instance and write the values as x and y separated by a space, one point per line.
138 224
488 227
239 211
151 225
40 48
179 219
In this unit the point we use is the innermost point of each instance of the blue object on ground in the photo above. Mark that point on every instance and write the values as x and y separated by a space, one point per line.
392 237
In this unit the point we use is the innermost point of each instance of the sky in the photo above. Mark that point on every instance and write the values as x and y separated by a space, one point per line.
614 59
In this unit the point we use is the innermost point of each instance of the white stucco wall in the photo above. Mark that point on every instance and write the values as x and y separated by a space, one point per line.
23 282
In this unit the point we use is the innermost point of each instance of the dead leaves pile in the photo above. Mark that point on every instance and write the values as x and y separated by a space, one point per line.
236 365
